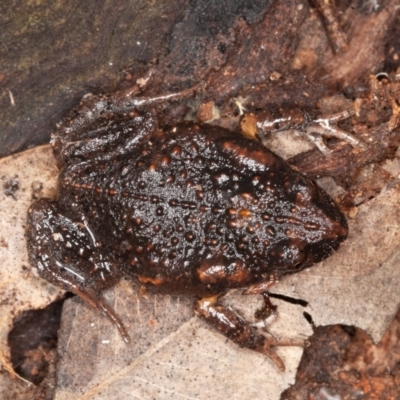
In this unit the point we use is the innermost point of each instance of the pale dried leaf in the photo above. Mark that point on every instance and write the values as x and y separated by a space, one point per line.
172 355
20 287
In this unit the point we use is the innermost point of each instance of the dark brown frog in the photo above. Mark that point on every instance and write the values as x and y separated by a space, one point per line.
191 209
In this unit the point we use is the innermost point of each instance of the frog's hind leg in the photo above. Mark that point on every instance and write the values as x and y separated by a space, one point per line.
65 253
239 331
106 126
93 108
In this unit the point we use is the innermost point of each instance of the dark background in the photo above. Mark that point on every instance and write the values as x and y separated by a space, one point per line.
54 52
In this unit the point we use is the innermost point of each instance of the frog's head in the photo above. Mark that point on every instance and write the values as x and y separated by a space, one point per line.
288 228
314 226
277 217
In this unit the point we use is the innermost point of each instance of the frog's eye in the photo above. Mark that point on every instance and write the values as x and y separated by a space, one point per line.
290 255
299 262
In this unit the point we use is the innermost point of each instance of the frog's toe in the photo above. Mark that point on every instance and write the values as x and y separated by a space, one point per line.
267 345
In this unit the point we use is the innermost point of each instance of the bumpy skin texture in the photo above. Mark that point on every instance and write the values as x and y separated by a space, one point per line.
194 209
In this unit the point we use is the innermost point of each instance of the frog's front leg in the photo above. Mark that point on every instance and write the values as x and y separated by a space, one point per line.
239 331
66 253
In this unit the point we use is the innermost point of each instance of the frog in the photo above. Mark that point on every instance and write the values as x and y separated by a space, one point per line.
189 209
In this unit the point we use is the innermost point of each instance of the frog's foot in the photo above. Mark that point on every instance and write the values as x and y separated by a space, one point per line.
239 331
295 120
325 126
66 253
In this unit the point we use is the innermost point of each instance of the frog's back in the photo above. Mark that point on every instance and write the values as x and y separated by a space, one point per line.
200 206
